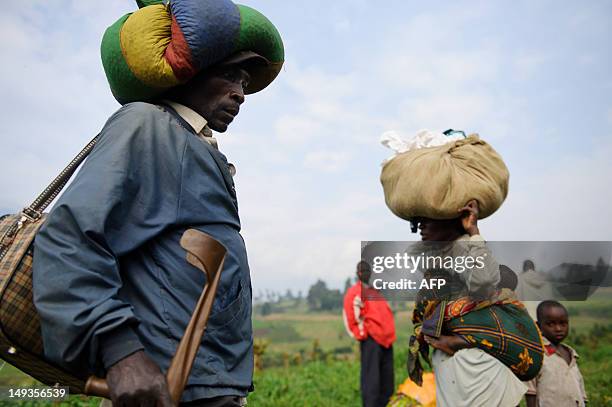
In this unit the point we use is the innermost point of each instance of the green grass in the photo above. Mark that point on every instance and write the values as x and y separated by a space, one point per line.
314 384
319 383
336 383
295 331
302 330
289 378
595 351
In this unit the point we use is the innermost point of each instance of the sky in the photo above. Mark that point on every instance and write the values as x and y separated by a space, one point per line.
534 79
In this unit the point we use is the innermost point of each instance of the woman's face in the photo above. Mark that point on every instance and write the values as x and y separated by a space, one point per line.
433 230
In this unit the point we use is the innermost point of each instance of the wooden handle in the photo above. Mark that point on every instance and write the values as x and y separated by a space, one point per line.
208 255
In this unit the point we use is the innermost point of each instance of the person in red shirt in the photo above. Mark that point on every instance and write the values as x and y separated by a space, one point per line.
369 319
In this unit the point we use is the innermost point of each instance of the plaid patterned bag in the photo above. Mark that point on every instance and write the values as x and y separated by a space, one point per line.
20 336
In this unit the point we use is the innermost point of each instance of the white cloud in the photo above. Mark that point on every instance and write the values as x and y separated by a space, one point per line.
56 96
302 237
297 129
307 148
315 84
327 161
528 64
343 25
449 109
568 200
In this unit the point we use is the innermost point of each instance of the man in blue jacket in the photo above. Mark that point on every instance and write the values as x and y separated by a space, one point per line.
111 282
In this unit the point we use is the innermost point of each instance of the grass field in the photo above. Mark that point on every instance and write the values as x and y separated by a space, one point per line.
309 360
336 383
329 382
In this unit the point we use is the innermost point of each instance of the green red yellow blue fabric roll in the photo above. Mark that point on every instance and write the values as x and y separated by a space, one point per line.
165 44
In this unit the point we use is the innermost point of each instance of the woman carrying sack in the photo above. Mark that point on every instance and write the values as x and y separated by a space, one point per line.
485 343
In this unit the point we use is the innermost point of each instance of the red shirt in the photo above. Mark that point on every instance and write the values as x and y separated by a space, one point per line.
368 318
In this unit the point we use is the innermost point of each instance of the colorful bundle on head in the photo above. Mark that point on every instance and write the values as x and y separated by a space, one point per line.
163 45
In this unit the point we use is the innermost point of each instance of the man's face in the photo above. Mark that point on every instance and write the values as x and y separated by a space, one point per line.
554 324
217 94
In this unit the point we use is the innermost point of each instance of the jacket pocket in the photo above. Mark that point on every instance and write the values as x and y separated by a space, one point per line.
228 314
228 340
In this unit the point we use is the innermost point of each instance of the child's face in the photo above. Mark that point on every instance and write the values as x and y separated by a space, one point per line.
554 324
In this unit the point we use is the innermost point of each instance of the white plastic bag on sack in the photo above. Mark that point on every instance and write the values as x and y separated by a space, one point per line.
423 139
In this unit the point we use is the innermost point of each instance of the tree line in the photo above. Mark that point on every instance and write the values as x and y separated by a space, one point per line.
319 297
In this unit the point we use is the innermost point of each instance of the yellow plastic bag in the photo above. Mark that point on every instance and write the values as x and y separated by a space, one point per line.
409 394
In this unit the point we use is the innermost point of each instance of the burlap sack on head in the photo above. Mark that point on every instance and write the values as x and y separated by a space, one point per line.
435 182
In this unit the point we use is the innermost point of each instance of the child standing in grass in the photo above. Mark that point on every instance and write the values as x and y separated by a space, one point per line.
559 383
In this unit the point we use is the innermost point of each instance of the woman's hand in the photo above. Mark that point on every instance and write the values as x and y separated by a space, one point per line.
441 343
421 339
448 344
469 217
